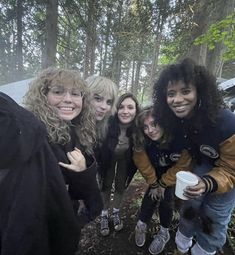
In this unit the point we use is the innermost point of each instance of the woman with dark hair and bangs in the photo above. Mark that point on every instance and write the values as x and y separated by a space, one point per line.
188 104
116 165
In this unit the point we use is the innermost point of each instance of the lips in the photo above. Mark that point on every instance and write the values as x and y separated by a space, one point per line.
181 108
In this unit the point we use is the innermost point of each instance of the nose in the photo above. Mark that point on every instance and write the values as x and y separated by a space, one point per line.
178 98
125 110
150 129
67 97
103 105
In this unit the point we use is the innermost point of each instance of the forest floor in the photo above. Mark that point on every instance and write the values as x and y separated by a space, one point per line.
123 242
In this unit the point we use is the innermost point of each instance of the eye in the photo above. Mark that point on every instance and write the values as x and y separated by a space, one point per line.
170 93
145 128
57 90
186 91
130 107
98 98
76 93
152 124
109 102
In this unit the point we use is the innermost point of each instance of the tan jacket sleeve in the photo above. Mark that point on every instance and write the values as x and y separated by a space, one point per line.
183 164
224 171
144 165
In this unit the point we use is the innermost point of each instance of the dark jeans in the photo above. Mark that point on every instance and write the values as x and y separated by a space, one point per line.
116 174
165 207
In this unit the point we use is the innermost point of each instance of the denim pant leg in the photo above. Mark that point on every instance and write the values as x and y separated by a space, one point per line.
166 207
148 207
218 207
188 226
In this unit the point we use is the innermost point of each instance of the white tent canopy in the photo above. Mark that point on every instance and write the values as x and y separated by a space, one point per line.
227 84
16 90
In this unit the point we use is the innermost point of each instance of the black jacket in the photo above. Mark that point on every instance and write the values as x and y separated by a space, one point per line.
36 215
81 185
106 151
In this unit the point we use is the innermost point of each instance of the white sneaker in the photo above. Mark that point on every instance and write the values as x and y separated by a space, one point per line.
140 234
159 242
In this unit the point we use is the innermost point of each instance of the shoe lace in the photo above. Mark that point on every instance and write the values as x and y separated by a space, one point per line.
160 236
116 219
104 222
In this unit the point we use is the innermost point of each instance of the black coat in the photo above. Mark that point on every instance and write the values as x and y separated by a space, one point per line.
36 215
81 185
105 152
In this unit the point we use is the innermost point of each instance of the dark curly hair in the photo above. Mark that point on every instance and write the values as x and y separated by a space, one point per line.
209 97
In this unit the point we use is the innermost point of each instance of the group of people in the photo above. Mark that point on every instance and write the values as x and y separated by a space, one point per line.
69 155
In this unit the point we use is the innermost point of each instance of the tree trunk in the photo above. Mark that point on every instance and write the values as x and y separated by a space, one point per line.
201 19
19 45
51 34
89 61
215 56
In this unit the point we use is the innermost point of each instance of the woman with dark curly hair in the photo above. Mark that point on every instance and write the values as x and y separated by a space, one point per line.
187 103
61 100
116 165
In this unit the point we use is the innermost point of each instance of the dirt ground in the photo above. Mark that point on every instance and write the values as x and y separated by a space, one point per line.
122 242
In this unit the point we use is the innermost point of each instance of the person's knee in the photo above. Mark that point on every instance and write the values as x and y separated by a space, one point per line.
183 242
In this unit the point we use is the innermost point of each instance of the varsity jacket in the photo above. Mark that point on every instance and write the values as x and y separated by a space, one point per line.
213 144
154 161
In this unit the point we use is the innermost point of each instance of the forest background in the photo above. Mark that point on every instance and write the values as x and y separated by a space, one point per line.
129 41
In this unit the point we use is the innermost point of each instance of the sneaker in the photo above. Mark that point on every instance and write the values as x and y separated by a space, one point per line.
140 234
159 242
104 225
117 222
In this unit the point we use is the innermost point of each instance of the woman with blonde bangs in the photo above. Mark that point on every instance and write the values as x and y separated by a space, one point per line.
60 99
103 98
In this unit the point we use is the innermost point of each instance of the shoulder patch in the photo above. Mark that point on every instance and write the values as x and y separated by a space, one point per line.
175 156
209 151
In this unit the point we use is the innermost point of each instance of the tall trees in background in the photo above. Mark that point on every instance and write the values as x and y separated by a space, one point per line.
126 40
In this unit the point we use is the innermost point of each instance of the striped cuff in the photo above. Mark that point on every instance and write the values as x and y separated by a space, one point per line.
154 185
211 184
162 184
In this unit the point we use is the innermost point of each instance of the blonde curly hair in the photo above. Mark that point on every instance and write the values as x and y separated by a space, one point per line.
103 86
58 130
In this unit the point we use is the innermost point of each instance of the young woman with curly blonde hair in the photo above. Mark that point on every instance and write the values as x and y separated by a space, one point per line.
60 98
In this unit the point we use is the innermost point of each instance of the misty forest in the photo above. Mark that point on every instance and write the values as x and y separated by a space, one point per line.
129 41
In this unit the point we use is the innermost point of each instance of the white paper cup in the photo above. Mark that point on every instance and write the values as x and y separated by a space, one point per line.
184 179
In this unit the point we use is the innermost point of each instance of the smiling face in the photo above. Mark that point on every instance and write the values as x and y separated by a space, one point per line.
127 111
66 100
102 104
152 130
181 99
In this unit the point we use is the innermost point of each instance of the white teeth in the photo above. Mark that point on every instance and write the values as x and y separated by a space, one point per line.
180 108
66 108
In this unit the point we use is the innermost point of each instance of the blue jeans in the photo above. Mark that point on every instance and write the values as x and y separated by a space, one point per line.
217 207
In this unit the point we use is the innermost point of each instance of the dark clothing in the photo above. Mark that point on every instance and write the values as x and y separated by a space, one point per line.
165 207
212 146
106 151
81 185
162 158
36 215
